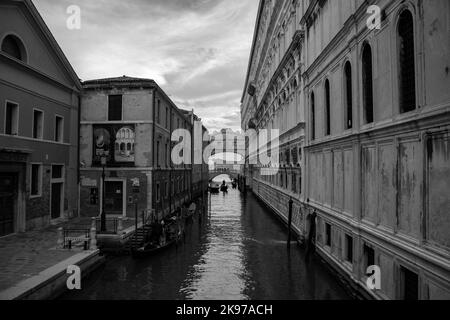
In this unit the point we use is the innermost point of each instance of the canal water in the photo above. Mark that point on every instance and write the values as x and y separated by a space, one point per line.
238 251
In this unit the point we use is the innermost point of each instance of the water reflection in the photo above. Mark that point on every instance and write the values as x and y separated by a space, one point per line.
237 252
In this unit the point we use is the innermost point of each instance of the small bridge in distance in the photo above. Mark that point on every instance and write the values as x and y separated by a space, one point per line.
232 171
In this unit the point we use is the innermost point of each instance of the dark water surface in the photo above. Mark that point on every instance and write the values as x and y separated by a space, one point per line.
238 252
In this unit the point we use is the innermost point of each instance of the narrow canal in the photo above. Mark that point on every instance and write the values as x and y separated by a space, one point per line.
237 252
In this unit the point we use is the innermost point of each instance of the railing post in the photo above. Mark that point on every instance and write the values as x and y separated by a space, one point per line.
93 238
60 241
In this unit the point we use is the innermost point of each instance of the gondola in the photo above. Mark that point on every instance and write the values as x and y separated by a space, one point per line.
214 188
147 251
173 235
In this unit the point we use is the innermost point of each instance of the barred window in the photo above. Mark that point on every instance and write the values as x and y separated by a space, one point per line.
406 62
367 77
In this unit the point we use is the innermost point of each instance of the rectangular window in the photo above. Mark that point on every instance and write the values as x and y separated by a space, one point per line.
294 183
57 171
168 155
348 248
158 112
327 235
167 119
410 285
115 108
38 124
12 119
313 118
349 95
327 108
157 154
300 182
36 180
369 256
59 129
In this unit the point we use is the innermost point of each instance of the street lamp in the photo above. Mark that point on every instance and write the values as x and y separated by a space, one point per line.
103 214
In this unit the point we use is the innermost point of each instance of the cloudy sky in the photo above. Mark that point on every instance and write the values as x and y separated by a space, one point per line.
197 50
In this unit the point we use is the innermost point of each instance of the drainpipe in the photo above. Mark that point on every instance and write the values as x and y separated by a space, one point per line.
78 156
153 148
170 161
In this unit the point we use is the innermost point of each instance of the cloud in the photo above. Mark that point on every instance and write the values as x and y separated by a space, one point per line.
197 50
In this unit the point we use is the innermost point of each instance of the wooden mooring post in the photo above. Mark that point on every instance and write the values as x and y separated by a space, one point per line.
290 223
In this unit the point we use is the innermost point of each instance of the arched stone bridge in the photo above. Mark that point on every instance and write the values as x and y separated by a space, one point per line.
232 173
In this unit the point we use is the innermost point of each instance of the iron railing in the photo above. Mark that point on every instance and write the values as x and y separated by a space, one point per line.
77 236
112 226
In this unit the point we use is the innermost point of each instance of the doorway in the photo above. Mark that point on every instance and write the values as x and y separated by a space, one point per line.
56 200
114 197
8 203
57 191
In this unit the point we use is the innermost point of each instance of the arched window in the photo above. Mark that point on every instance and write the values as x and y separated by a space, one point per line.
348 95
367 78
12 46
313 117
327 108
407 76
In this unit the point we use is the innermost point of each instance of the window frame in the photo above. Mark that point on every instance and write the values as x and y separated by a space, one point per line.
402 270
121 107
327 109
42 125
348 237
398 60
312 100
365 45
158 192
55 138
366 263
328 236
348 101
158 111
20 43
17 105
158 154
40 177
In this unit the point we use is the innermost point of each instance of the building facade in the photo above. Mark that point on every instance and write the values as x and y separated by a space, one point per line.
131 121
377 148
199 133
39 103
273 100
376 106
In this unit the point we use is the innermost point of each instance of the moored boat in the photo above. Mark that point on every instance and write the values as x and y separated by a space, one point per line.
214 187
163 236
